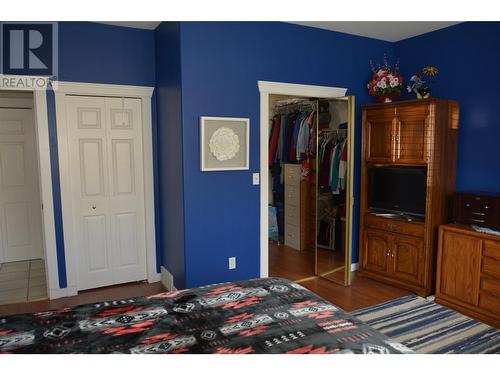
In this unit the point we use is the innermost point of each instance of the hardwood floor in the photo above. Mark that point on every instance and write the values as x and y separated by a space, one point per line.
362 292
283 262
289 263
115 292
295 265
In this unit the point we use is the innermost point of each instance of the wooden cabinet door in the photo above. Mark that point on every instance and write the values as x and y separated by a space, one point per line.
407 255
412 134
376 251
379 128
459 263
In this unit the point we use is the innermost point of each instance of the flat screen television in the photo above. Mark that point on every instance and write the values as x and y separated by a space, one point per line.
400 190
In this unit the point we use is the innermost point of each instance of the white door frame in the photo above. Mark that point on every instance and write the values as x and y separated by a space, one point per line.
267 88
121 91
45 175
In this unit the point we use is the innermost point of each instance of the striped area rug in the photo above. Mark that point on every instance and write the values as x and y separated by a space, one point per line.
427 327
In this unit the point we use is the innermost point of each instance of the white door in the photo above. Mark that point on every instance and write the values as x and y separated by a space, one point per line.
106 162
20 208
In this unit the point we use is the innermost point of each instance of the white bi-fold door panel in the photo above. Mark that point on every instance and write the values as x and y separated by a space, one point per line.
106 167
20 207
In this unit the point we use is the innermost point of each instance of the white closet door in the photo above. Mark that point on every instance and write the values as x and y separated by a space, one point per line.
20 208
89 190
105 140
126 188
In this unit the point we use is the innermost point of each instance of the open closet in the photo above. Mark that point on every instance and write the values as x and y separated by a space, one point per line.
310 187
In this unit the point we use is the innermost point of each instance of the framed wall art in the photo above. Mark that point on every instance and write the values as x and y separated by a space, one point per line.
224 143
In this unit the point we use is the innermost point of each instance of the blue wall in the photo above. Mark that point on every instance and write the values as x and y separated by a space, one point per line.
221 64
91 52
467 56
171 184
212 69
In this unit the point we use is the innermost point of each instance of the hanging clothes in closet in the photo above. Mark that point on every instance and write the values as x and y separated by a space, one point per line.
332 180
332 157
290 141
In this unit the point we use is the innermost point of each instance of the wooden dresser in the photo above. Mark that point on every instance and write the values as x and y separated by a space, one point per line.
468 272
414 133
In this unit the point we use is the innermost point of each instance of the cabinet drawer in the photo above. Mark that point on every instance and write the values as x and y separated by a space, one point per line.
491 266
490 285
292 195
292 175
396 226
292 236
292 215
491 249
489 302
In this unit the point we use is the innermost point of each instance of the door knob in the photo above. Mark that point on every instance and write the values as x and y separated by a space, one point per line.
94 207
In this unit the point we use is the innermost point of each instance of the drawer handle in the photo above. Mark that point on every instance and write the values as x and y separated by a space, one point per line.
388 252
486 207
478 213
477 220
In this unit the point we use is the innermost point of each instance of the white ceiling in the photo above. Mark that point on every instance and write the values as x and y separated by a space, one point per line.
391 31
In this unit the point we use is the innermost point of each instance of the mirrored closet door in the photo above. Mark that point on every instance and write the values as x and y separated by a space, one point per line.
334 189
310 188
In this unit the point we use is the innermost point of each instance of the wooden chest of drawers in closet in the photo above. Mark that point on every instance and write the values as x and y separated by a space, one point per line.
296 207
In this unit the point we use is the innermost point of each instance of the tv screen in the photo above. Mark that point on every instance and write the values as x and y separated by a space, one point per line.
398 189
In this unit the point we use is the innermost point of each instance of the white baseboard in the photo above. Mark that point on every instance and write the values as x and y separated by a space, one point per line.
354 267
167 279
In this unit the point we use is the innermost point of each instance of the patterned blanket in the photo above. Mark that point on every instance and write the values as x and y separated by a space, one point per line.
255 316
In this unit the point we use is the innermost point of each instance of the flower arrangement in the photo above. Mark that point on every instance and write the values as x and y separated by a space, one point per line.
420 86
386 83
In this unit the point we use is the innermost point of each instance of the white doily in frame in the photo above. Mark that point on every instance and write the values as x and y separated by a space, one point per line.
224 144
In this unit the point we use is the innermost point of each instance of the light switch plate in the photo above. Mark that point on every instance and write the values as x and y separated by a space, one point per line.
255 178
232 263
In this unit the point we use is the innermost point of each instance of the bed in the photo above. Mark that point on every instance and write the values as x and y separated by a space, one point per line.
270 315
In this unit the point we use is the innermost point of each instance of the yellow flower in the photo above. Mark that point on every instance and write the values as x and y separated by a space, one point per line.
430 71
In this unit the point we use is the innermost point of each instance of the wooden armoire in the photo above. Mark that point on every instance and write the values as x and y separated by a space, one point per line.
414 133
